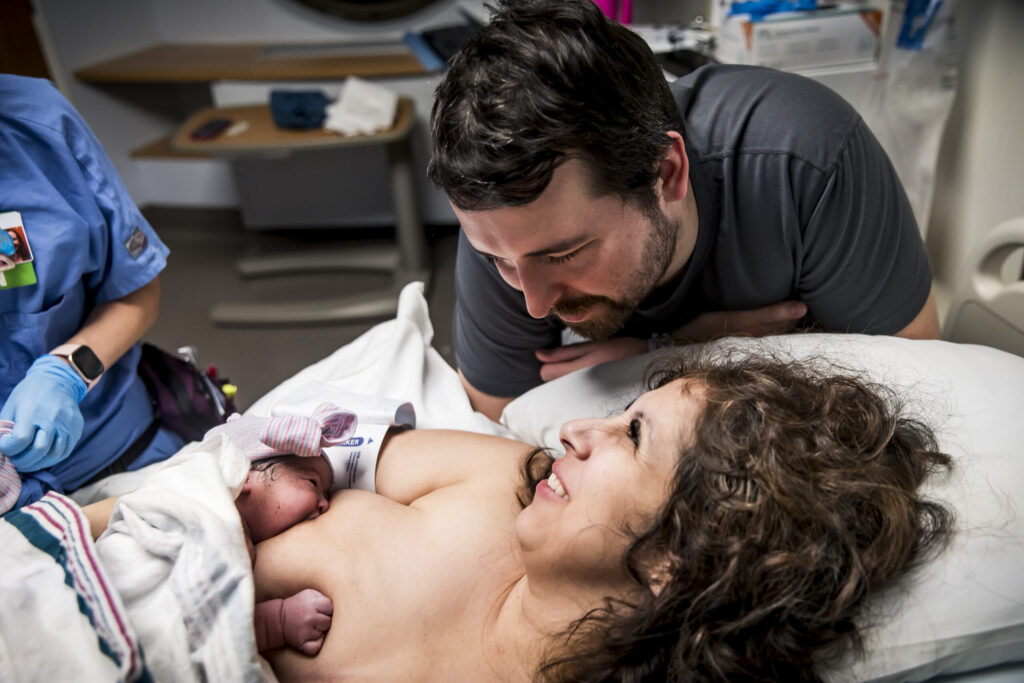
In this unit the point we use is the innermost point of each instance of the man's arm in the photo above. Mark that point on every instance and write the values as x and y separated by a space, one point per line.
494 335
774 319
926 324
491 406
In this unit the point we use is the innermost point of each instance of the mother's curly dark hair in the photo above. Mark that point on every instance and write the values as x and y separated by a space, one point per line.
797 499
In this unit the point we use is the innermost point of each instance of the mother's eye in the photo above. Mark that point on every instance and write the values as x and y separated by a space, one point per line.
634 431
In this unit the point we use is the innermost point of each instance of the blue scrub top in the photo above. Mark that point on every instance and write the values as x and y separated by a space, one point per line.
90 245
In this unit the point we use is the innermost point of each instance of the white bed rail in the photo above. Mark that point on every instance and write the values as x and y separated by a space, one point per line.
986 308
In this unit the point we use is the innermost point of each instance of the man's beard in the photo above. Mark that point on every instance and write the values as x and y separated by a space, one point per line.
611 314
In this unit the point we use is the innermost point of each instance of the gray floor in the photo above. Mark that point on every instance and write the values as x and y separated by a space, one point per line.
200 273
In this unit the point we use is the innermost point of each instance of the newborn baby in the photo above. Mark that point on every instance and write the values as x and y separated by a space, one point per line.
288 482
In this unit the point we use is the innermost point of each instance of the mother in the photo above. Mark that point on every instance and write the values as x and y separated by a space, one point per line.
728 525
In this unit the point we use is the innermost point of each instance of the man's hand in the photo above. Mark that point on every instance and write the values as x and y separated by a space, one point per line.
44 410
759 322
774 319
564 359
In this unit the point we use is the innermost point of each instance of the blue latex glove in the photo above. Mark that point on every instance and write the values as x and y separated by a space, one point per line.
6 244
44 410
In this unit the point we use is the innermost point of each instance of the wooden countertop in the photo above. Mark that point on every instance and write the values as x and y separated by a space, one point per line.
261 136
179 63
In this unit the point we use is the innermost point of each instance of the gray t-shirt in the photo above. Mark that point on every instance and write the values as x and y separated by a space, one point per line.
796 200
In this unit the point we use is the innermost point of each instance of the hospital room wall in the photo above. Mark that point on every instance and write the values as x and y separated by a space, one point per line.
77 34
977 180
981 161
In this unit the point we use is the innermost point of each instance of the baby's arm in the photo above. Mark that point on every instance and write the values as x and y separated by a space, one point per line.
301 622
98 514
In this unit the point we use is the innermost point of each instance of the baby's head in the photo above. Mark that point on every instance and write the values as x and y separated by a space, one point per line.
290 476
281 491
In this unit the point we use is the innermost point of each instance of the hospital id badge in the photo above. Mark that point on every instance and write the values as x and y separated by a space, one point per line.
16 270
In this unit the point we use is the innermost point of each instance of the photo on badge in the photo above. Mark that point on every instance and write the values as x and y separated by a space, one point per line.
22 250
16 269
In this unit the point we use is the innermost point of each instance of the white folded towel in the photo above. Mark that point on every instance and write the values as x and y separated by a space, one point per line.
363 108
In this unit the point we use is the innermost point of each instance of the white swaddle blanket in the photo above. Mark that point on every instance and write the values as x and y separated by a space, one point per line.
165 594
173 558
175 552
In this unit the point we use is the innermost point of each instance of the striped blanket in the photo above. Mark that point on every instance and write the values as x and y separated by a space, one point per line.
166 594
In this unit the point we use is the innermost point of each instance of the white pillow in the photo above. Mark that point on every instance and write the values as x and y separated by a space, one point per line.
965 609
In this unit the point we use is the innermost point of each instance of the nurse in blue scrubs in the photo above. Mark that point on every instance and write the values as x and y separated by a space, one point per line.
75 299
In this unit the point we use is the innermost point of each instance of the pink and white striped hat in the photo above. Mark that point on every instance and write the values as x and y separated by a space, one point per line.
305 436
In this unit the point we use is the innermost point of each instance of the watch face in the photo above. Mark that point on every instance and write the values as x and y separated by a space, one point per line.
87 363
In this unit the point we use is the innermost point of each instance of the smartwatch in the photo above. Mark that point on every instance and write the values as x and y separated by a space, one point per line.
82 360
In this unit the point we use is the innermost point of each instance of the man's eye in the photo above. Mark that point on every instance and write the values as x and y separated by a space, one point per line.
499 263
634 432
564 257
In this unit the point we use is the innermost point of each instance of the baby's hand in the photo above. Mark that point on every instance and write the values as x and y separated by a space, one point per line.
305 620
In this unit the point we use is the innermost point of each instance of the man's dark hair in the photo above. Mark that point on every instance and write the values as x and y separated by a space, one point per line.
543 82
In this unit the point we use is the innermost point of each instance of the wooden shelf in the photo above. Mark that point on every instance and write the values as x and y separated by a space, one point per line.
163 149
263 136
200 63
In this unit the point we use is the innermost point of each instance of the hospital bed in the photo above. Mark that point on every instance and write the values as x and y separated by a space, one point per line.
168 590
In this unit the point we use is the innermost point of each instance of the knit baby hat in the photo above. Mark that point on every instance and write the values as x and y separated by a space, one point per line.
302 435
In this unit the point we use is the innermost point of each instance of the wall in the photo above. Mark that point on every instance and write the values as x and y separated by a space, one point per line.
83 33
978 175
981 163
125 116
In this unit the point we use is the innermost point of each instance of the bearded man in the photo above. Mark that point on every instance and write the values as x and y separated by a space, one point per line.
595 197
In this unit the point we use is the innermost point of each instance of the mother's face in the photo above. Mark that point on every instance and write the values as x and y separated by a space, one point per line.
616 472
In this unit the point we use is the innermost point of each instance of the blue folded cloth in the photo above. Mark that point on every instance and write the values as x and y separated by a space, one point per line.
298 108
759 9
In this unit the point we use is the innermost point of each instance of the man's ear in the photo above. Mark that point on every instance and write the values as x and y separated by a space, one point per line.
675 170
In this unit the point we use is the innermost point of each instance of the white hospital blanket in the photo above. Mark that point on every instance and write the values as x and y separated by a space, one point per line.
56 598
393 359
174 555
165 594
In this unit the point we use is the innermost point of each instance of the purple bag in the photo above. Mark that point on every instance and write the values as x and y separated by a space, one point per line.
185 399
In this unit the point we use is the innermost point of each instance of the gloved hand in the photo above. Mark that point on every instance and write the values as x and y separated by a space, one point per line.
6 244
44 410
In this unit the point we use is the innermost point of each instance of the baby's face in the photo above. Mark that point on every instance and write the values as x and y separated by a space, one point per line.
286 493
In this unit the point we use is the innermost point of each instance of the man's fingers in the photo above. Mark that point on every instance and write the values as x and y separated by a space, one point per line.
562 354
773 319
786 310
550 371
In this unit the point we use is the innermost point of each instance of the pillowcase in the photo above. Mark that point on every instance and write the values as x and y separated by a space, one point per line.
962 611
